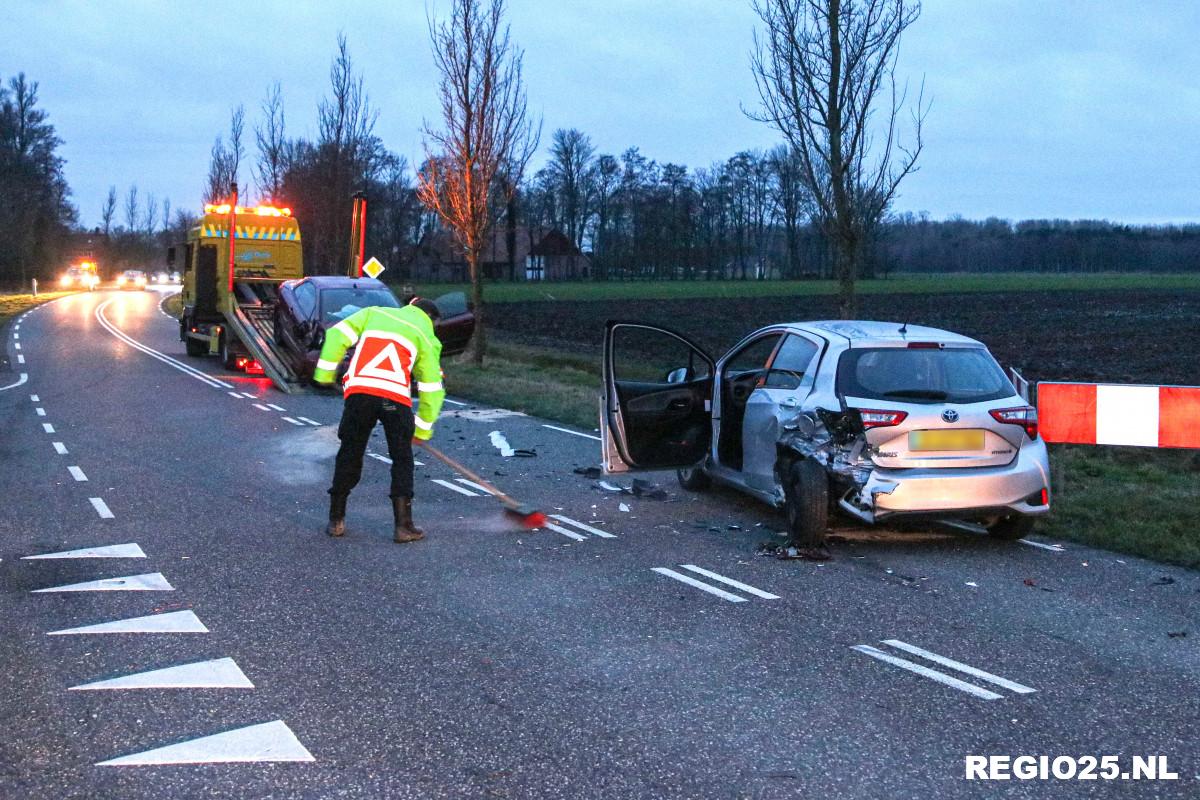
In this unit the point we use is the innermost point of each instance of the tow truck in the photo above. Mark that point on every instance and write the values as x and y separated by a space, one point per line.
228 312
84 275
231 284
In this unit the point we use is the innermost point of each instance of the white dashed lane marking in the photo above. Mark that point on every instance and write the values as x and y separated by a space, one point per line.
584 527
47 427
473 485
452 487
77 473
310 421
261 407
60 448
294 421
701 585
569 534
20 358
730 582
41 412
34 398
574 433
939 676
235 395
274 407
101 507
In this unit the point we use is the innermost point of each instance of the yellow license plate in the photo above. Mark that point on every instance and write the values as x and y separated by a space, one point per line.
945 440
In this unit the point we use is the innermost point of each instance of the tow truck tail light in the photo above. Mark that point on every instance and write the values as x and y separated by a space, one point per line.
1025 416
876 418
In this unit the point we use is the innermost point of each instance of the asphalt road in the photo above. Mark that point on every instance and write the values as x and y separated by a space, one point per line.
490 661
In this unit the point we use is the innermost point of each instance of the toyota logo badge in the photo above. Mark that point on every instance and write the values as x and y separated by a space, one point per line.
950 415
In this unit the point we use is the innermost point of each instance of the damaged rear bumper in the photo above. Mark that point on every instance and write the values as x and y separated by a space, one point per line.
955 493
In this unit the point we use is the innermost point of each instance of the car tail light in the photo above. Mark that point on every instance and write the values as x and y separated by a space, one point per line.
1025 416
924 345
875 418
253 367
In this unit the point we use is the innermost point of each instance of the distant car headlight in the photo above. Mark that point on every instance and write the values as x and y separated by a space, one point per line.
65 280
120 279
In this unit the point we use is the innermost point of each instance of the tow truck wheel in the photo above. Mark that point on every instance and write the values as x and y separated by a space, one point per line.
1011 528
807 495
193 347
694 479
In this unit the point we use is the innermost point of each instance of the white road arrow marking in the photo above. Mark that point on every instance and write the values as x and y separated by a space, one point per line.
149 582
111 551
219 673
172 622
270 741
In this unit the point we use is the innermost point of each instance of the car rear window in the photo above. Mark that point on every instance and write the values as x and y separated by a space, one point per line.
337 304
904 375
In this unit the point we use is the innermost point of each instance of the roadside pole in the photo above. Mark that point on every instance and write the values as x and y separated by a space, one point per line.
35 287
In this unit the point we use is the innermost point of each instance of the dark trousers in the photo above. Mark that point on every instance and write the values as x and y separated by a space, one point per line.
359 416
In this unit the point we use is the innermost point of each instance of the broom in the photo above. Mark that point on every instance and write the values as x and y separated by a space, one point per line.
530 516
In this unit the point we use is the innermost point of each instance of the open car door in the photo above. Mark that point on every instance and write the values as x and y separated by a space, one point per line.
656 409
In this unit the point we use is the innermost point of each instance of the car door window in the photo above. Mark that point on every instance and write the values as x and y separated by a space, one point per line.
306 300
751 359
791 363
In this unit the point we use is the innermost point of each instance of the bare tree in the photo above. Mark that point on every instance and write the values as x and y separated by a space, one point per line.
150 217
824 68
485 130
108 210
225 162
237 150
272 146
572 170
131 209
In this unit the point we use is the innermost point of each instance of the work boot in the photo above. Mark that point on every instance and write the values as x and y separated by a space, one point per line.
337 515
405 530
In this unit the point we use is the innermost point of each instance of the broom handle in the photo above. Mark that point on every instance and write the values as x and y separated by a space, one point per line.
459 468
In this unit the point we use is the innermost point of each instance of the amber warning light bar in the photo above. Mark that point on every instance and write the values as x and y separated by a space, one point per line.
258 211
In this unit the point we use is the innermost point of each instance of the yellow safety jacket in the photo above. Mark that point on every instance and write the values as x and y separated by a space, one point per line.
393 348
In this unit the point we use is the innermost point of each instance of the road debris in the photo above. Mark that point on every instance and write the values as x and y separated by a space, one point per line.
501 444
1176 634
624 507
589 472
790 552
642 489
1163 580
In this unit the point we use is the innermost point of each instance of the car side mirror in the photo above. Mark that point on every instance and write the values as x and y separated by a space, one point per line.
681 375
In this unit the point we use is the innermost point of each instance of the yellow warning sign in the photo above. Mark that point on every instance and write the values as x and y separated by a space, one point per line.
372 268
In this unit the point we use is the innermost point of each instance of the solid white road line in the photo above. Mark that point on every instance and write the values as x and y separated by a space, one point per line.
219 673
101 507
309 421
473 485
41 412
573 433
47 427
171 622
24 377
1053 548
274 407
163 357
724 595
956 665
261 407
583 527
148 582
77 474
579 537
926 672
111 551
60 448
270 741
458 489
730 582
453 402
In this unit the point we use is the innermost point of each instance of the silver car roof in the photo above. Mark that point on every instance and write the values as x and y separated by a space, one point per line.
866 333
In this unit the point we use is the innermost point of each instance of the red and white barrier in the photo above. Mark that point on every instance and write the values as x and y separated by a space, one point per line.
1141 416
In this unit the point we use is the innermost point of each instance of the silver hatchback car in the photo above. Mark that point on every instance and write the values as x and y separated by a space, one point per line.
880 420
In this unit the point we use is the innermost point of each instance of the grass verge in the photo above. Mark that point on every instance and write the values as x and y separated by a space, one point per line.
950 283
173 305
1132 500
12 305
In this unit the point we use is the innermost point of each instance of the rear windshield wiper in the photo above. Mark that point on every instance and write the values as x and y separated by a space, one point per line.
922 394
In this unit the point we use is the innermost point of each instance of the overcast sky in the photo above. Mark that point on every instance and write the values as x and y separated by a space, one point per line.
1067 109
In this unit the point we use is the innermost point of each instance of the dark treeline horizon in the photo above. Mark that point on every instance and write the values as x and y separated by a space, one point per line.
746 217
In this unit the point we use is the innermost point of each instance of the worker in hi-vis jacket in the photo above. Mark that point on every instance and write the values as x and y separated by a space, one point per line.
396 357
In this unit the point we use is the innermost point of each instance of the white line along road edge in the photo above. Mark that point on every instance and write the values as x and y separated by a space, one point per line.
24 377
163 357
